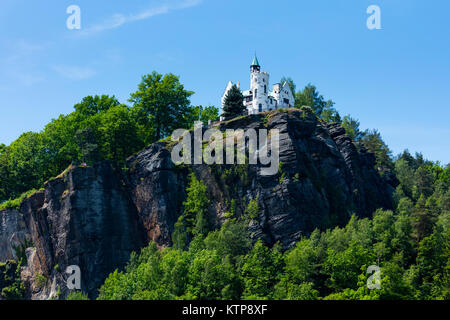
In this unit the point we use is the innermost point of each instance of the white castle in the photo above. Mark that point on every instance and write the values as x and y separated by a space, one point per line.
259 98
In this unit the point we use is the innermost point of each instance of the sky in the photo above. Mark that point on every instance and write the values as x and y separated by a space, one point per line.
395 79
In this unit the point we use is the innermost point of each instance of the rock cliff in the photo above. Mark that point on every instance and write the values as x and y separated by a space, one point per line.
85 218
94 217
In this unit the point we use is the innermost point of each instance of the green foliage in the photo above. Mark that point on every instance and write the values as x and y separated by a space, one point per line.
40 280
180 236
20 166
208 270
100 128
234 103
351 127
212 277
196 207
11 285
119 135
207 114
410 244
324 109
161 105
92 105
231 240
252 209
77 296
374 143
20 251
260 271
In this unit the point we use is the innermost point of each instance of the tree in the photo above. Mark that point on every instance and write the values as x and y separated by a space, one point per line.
234 103
231 240
88 144
212 276
25 165
207 114
260 271
423 182
180 235
196 207
344 267
422 220
92 105
312 98
6 178
374 143
405 175
351 127
161 105
119 134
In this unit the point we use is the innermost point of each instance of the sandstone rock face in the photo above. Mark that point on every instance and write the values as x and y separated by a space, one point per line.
13 233
323 180
94 217
83 218
157 189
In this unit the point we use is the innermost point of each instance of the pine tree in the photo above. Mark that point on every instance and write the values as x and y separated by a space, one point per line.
179 234
196 207
234 103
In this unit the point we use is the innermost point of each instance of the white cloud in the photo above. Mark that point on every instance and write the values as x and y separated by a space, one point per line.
19 62
74 72
21 51
120 19
28 79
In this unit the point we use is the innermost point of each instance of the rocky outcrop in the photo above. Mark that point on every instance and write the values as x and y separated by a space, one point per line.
94 217
323 180
13 234
83 218
157 188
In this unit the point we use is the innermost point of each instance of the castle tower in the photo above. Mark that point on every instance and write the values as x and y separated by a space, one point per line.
259 87
260 98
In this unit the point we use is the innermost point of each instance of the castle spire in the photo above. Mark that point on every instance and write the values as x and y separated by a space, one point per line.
255 64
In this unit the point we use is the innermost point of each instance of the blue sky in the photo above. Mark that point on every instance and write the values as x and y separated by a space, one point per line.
396 79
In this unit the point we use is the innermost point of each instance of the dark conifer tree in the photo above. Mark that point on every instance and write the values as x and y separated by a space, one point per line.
234 104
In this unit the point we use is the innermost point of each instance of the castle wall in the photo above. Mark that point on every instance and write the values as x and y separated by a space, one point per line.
263 99
285 97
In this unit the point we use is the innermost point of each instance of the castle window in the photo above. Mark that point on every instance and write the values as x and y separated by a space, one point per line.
260 107
265 89
256 92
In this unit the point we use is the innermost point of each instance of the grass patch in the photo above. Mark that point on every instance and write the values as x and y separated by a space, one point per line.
41 280
15 203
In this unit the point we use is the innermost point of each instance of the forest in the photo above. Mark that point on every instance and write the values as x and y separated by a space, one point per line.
410 244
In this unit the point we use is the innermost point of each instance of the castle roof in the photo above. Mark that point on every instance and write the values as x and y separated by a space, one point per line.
255 61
